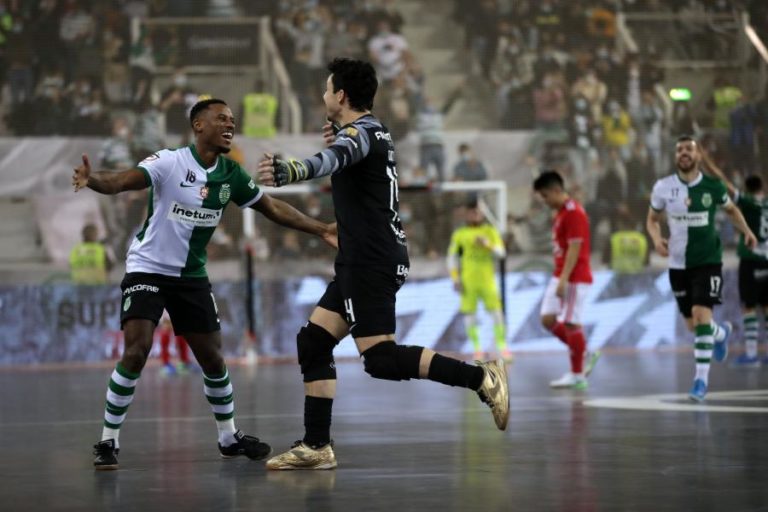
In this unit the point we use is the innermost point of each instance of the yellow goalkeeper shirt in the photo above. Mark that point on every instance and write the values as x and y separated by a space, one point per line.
475 261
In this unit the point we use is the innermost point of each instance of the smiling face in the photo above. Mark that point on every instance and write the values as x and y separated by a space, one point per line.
215 127
686 156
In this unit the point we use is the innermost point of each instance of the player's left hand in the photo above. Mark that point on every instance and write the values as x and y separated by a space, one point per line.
562 286
331 235
750 240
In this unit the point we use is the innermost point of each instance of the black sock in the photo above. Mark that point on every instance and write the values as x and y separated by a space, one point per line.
317 420
453 372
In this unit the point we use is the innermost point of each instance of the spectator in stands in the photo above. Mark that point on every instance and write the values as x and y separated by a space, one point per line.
650 129
429 126
683 120
594 90
601 21
616 128
640 179
550 105
176 102
21 82
584 132
396 101
388 51
510 69
91 118
148 131
53 112
115 153
142 63
725 97
76 30
547 19
469 168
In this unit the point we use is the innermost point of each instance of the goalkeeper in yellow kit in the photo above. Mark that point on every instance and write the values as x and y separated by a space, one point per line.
471 256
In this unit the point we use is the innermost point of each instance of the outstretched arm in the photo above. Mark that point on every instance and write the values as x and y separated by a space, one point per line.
737 218
286 215
107 182
350 146
711 166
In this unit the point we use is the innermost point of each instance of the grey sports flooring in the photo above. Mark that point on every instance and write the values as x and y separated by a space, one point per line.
401 446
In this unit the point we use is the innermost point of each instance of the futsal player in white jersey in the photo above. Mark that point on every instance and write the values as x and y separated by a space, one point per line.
165 267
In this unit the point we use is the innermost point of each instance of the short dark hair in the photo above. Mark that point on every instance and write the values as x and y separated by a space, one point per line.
358 80
548 179
201 106
753 184
685 138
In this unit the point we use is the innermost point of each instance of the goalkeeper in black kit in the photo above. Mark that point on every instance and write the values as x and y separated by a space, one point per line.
371 265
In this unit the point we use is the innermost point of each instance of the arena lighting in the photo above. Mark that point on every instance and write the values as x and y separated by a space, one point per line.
680 94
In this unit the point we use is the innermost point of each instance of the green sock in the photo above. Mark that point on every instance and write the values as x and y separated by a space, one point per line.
702 350
122 384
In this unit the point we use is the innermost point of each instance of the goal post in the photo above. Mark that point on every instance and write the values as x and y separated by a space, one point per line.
430 213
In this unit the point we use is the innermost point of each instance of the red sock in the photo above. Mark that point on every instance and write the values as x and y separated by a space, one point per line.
561 332
165 340
577 344
183 349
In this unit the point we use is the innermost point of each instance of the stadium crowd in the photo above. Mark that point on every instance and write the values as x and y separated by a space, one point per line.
70 67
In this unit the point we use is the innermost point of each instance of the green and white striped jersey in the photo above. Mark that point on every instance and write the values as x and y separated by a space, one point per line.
690 209
186 202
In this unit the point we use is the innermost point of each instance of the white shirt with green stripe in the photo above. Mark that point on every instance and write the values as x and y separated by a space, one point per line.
690 208
186 203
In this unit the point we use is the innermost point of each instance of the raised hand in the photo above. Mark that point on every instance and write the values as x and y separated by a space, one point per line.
265 173
81 174
328 134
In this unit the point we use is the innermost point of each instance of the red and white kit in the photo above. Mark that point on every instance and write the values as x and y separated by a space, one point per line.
571 224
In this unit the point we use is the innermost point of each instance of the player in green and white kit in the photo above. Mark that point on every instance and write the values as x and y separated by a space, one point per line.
165 267
753 263
689 199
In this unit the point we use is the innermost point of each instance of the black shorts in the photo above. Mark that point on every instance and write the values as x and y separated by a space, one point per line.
753 283
698 286
189 301
365 297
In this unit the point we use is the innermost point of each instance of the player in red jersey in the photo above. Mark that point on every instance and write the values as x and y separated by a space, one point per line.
561 308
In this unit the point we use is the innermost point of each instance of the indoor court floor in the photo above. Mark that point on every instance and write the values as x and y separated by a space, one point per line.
633 442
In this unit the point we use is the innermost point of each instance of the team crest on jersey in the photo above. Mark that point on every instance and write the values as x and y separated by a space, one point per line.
204 192
224 193
127 303
706 200
351 131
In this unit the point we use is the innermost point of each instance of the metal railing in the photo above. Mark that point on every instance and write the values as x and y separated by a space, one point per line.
244 48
